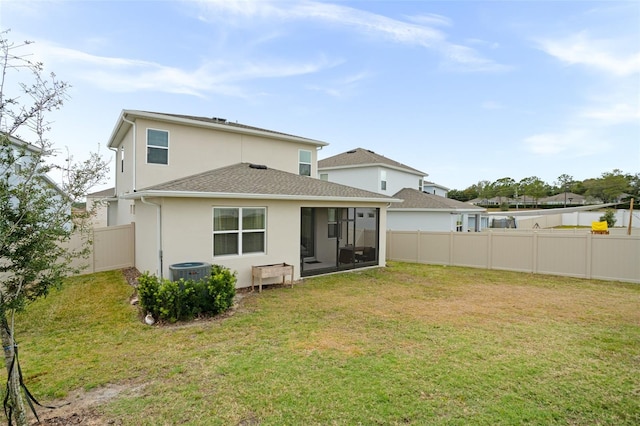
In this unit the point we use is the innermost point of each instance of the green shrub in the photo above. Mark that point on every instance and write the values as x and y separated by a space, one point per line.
609 217
185 299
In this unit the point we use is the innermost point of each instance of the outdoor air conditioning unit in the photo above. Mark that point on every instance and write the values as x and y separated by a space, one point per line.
190 271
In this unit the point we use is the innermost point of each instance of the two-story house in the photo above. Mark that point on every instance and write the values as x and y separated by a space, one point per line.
26 157
420 210
211 190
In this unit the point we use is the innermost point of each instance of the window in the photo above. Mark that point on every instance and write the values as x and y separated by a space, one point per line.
383 180
324 176
420 186
122 159
157 146
332 221
238 230
304 162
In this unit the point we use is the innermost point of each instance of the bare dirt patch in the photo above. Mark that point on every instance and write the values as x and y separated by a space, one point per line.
82 407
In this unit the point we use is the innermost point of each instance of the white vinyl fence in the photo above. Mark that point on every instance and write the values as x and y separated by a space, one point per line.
614 257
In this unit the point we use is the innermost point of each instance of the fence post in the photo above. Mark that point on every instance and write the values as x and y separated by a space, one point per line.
418 245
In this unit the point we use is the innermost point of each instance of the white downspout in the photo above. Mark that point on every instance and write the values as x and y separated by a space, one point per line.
159 221
133 155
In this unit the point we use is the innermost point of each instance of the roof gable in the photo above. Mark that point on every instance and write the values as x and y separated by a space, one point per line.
360 157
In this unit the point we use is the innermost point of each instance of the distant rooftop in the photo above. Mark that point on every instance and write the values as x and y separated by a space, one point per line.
360 157
414 199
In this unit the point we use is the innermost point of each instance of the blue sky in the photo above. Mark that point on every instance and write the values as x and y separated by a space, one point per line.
464 91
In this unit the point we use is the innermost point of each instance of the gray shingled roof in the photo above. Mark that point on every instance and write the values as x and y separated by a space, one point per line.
414 199
109 192
247 179
123 124
216 120
363 157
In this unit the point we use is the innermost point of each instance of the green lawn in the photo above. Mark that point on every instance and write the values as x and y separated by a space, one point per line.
408 344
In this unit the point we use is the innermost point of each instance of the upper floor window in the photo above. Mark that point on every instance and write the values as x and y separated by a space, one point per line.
239 230
420 185
324 176
304 162
122 159
383 180
157 146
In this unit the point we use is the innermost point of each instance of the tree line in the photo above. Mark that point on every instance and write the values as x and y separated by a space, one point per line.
609 187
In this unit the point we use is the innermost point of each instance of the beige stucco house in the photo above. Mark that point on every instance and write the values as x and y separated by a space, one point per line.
98 203
210 190
424 206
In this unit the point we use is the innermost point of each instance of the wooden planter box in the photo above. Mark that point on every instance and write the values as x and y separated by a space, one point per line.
270 271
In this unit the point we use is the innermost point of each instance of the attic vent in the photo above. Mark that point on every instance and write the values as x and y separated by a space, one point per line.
219 120
258 166
353 151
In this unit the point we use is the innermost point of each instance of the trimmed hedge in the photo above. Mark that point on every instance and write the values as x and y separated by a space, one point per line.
183 300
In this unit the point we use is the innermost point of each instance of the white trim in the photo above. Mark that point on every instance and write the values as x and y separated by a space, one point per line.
192 194
146 145
240 231
310 163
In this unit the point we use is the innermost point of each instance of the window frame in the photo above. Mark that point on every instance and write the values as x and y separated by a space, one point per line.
149 146
383 180
240 231
301 162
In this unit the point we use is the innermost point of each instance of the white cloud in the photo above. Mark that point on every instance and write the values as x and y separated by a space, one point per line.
458 57
610 93
611 56
343 87
430 19
568 143
127 75
618 113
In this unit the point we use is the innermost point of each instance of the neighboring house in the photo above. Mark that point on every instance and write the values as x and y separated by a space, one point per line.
25 153
494 201
435 189
365 169
100 201
209 190
427 212
564 198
